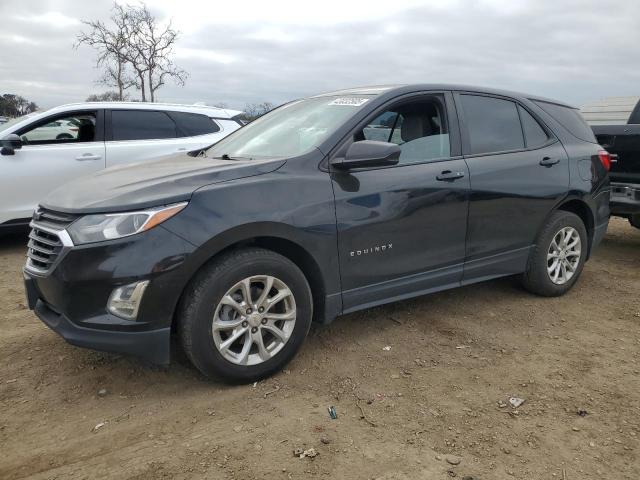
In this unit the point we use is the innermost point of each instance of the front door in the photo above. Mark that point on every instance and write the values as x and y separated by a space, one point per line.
401 230
519 172
54 152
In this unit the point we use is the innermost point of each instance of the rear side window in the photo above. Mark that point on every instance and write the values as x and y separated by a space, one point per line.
192 124
570 119
534 134
493 124
141 125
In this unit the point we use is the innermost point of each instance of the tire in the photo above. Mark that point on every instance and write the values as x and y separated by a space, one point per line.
244 361
634 220
537 278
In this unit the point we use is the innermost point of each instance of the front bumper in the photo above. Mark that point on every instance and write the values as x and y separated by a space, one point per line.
625 199
72 298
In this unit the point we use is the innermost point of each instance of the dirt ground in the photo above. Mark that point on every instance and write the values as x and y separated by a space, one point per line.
455 358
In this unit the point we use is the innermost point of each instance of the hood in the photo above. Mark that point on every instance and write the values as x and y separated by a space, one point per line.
149 184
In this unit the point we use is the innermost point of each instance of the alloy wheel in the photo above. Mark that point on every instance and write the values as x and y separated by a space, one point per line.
563 256
254 320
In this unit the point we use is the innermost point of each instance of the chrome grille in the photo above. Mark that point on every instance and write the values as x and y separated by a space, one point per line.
44 247
47 239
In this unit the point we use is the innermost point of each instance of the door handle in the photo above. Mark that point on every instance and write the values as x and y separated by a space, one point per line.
449 176
88 156
548 161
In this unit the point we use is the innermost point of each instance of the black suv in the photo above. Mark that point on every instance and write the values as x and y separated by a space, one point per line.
326 205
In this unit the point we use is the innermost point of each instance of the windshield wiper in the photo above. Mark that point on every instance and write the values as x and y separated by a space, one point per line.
226 156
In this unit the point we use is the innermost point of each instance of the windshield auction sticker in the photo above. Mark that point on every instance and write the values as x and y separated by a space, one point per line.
349 101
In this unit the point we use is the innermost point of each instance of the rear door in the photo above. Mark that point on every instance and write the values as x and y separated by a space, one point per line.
55 151
518 171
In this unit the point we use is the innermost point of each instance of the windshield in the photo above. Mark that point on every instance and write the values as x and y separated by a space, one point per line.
290 130
13 121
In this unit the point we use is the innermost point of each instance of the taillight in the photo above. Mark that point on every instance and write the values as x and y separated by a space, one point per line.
605 159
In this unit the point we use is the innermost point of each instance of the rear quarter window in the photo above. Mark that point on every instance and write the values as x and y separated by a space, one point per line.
570 119
193 124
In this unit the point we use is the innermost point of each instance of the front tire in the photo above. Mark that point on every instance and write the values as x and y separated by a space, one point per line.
558 258
245 315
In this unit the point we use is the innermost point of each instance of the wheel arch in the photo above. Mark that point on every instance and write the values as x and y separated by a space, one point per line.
275 241
580 208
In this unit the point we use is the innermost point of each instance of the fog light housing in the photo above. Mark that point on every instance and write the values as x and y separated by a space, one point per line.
124 301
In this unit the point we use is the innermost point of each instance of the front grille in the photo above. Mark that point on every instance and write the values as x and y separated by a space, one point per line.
46 239
43 248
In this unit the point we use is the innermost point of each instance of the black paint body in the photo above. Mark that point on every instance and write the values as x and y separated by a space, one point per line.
436 233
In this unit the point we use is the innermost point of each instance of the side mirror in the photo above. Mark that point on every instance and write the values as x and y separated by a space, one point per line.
10 144
368 153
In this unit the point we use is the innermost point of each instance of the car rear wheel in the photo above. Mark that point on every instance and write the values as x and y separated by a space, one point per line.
557 260
245 315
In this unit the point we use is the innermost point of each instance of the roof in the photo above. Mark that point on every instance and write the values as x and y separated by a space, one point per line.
407 88
610 110
203 109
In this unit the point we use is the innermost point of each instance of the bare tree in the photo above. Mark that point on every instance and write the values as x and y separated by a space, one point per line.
136 51
153 44
105 97
255 110
112 45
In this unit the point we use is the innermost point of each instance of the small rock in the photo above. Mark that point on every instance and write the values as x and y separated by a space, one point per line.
297 452
387 348
102 392
516 402
575 429
438 457
582 413
451 473
452 459
592 444
506 450
98 427
237 429
325 440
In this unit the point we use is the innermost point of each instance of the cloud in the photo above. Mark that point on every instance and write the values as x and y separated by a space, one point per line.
573 50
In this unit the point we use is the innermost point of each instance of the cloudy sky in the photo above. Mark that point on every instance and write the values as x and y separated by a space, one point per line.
250 51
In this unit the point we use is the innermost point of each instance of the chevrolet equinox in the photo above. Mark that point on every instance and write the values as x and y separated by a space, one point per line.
325 206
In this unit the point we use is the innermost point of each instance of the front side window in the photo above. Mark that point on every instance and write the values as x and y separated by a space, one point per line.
493 124
70 128
141 125
419 128
291 130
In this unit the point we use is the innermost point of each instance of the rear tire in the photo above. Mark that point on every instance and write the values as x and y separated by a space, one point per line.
227 336
557 260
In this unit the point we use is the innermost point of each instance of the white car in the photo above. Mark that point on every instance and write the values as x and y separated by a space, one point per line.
42 151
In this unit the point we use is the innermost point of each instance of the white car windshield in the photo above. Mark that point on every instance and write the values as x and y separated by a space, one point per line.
291 130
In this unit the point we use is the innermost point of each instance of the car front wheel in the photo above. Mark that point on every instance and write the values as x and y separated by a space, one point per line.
245 315
557 260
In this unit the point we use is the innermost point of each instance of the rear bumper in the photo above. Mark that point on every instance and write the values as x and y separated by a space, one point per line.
151 345
625 199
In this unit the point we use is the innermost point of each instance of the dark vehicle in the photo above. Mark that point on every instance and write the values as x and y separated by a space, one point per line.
324 206
618 131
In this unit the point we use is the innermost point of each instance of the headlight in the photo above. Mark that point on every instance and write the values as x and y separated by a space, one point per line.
107 226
